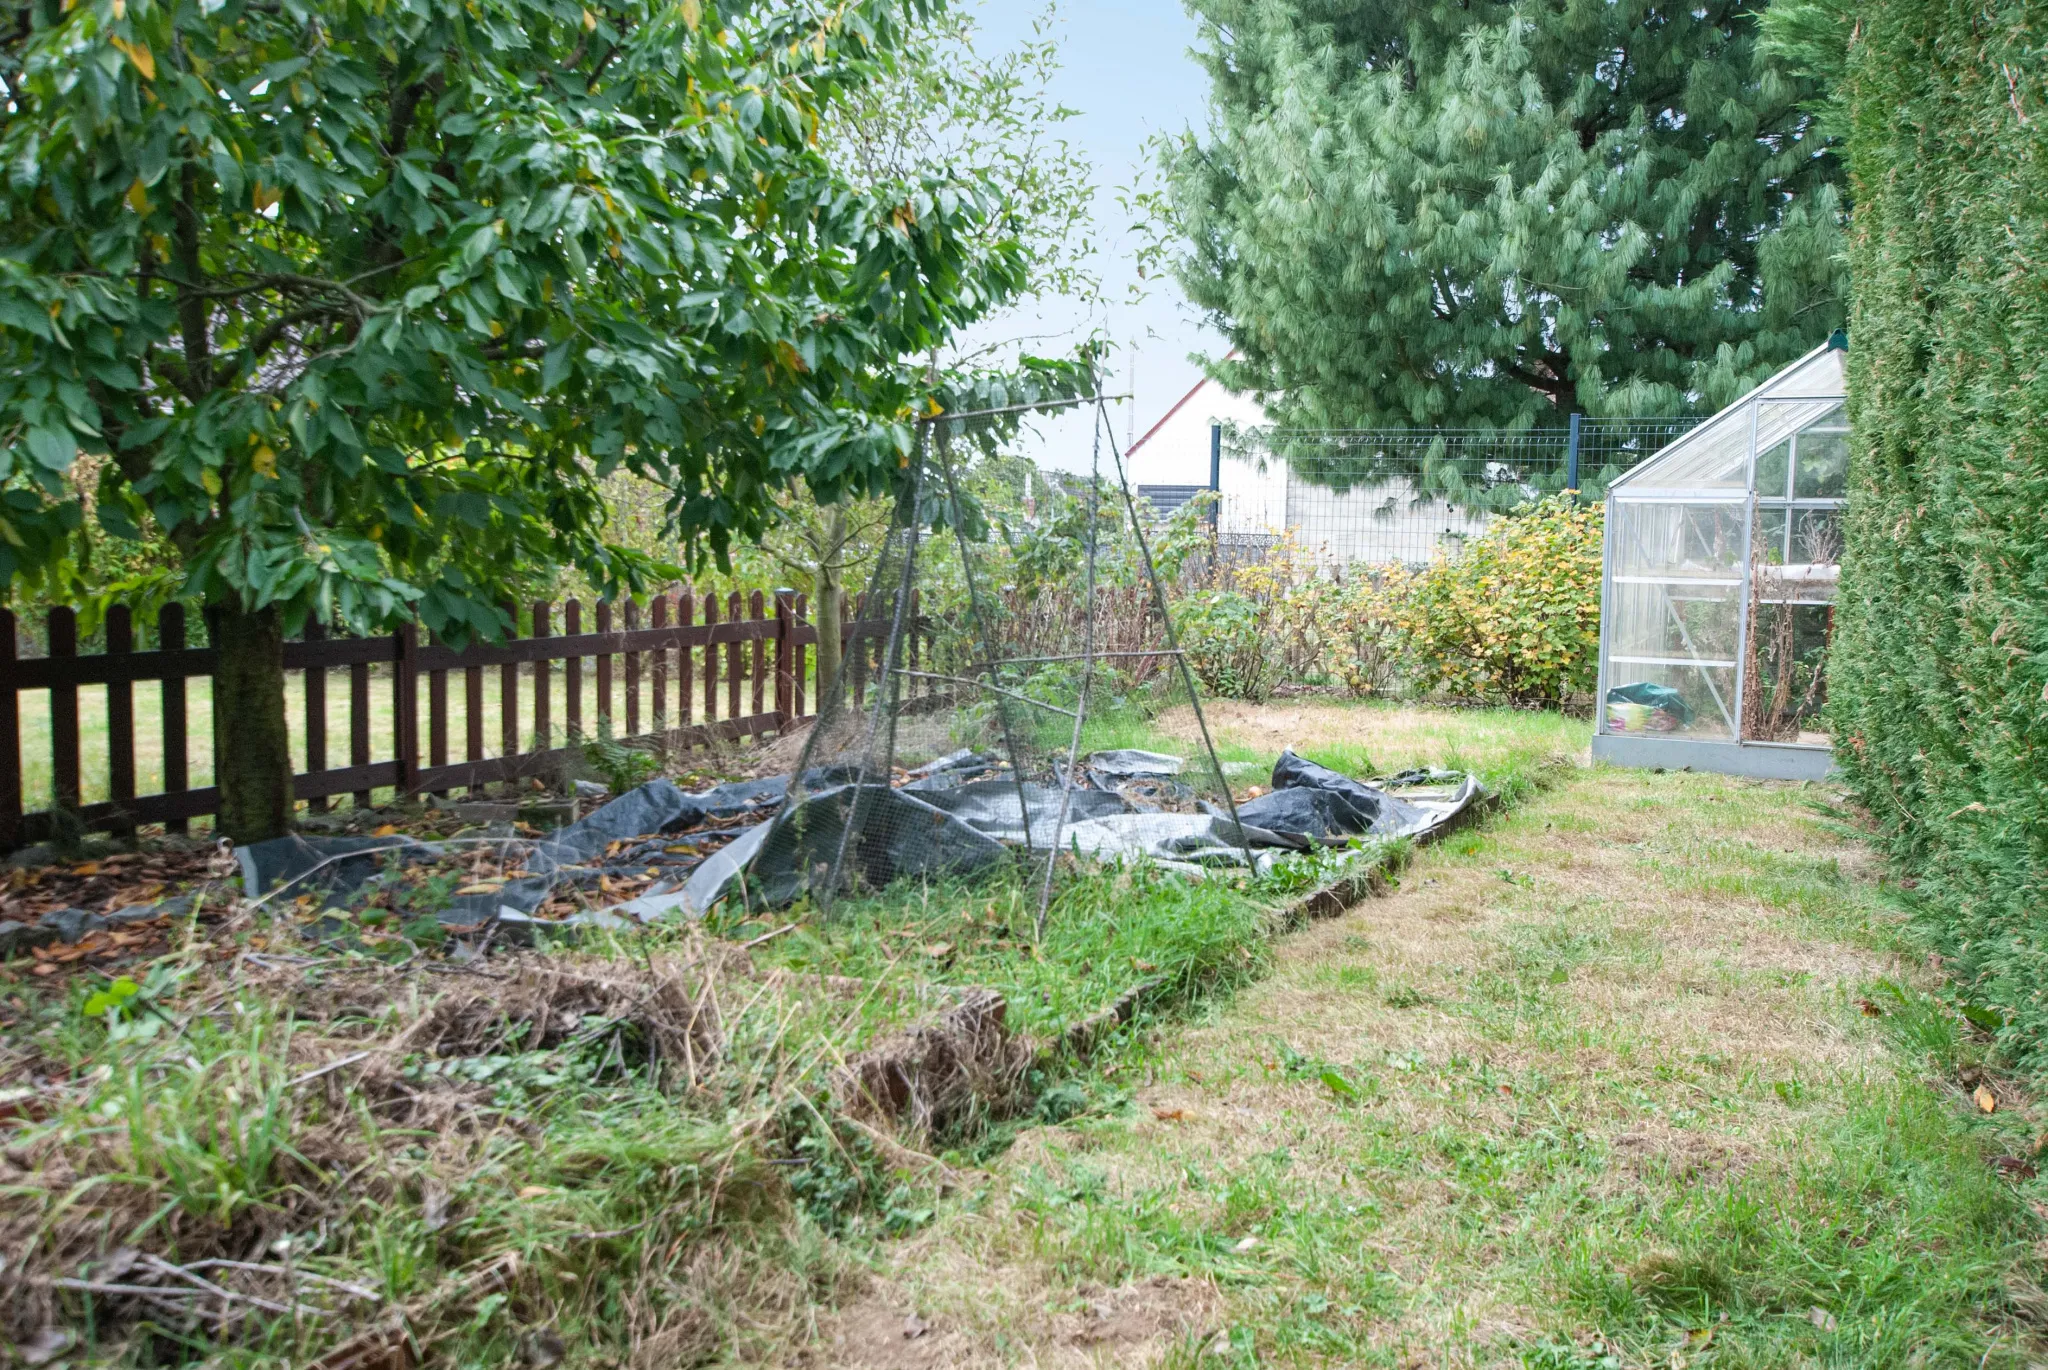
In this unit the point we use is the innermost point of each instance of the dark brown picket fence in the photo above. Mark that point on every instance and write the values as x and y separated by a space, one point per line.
722 669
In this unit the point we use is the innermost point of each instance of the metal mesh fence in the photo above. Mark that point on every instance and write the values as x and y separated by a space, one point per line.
1017 706
1403 495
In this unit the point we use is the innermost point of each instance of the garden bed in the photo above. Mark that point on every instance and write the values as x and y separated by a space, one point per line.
327 1150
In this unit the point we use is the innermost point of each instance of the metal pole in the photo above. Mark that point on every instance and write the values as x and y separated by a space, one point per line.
1571 458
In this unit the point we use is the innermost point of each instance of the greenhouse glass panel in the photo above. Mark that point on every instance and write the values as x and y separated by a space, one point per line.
1723 557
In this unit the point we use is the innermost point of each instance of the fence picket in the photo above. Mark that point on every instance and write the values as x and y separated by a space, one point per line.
632 674
754 612
437 722
508 693
170 637
543 682
686 613
710 661
316 719
604 667
658 615
64 765
572 673
10 739
358 723
735 666
121 724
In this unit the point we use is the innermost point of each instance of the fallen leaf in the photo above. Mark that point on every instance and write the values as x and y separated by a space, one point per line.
1248 1244
46 968
481 887
87 868
1339 1086
915 1327
2014 1167
939 950
1821 1318
1986 1100
1699 1337
1870 1009
1170 1115
534 1191
386 830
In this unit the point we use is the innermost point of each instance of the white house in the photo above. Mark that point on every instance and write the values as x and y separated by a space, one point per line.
1261 496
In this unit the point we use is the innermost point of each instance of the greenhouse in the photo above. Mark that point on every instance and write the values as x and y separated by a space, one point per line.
1723 554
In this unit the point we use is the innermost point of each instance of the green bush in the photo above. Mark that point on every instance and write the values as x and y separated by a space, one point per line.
1515 617
1231 642
1939 678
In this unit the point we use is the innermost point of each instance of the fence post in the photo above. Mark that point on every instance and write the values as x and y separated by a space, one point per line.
10 738
316 716
1215 480
785 658
1571 458
64 765
405 708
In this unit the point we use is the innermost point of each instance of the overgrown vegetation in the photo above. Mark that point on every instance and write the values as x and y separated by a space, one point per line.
646 1150
1511 618
1938 679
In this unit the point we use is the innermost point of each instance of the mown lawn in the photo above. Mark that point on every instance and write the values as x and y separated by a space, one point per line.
1641 1075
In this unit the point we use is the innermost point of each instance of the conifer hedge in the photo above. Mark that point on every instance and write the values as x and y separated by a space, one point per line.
1940 669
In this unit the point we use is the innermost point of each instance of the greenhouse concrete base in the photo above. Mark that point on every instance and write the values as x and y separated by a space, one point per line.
1763 760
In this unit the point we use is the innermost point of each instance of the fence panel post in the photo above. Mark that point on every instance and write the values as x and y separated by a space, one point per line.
64 765
10 738
170 637
405 708
121 724
1571 457
785 658
632 673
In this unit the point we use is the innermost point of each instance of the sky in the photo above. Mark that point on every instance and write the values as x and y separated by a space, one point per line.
1127 72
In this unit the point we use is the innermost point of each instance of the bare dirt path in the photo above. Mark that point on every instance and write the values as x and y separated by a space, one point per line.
1616 1081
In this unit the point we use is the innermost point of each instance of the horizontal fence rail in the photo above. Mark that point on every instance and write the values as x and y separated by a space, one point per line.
682 671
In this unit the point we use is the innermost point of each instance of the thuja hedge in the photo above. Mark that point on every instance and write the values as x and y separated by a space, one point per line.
1940 670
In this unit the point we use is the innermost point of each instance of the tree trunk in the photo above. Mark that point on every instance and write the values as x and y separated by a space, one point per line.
830 611
252 758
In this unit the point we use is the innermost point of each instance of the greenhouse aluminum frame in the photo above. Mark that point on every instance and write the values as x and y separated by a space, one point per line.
1758 487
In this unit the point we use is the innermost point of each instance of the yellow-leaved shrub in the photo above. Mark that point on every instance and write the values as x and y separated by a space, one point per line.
1513 618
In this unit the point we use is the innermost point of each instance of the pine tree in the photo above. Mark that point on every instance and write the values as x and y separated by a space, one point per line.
1481 214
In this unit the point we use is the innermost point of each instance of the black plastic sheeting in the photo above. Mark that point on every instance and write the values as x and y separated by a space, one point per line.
954 816
1323 804
573 855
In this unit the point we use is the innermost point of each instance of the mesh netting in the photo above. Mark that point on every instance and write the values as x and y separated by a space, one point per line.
1011 695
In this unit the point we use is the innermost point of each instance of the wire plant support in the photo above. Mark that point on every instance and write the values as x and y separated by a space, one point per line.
1014 694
